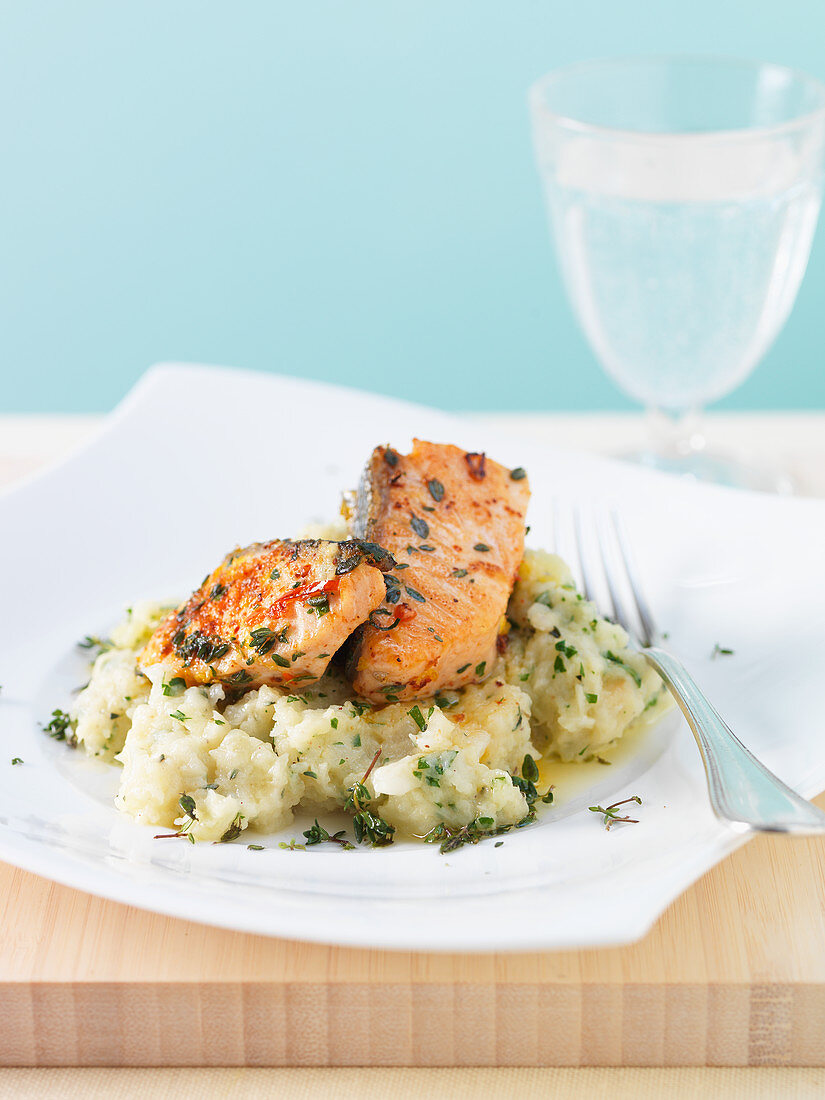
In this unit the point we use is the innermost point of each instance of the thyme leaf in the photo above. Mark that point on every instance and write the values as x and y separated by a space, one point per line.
420 526
436 489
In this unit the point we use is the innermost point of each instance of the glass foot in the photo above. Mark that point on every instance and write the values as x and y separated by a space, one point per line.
719 469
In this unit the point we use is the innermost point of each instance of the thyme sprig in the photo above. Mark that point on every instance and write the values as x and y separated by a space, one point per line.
317 834
610 812
367 824
449 838
187 804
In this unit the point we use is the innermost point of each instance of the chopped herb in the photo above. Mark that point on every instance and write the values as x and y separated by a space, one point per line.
319 603
311 774
436 489
610 815
519 474
372 828
217 591
559 665
418 717
234 830
444 701
720 651
481 667
93 642
263 639
459 573
356 741
393 587
529 769
375 622
179 716
482 547
591 697
187 804
414 594
255 847
16 760
420 526
233 773
390 456
176 686
622 664
334 723
275 575
240 677
282 662
462 669
199 646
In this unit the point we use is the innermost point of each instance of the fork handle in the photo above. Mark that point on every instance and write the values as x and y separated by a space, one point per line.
742 790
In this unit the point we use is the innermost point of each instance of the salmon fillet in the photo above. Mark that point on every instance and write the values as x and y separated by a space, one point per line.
454 523
272 613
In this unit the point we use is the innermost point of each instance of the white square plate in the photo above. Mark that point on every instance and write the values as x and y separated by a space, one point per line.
197 460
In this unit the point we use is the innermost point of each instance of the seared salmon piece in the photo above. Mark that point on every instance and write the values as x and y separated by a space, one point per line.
273 613
454 523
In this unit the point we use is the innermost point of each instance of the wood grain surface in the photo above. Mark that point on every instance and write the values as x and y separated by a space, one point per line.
732 974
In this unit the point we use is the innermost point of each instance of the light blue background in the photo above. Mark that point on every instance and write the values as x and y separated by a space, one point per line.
341 190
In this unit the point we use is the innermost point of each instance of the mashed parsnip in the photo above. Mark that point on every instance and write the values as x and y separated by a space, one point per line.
566 687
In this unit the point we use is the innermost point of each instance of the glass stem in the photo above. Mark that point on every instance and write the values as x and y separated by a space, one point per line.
676 434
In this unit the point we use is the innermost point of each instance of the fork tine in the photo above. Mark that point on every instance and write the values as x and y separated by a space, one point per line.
621 613
586 575
557 547
649 631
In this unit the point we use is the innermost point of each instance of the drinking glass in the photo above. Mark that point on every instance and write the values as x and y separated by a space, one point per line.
683 195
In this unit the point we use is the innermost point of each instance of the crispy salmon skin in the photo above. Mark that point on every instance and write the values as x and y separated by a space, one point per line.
454 523
274 612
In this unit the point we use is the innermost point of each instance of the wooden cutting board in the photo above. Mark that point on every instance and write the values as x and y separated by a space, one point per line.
732 974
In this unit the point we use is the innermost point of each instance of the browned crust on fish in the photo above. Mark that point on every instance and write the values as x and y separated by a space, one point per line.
272 613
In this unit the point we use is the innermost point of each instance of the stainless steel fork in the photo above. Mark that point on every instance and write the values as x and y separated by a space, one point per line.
742 790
